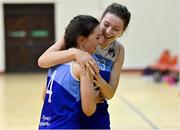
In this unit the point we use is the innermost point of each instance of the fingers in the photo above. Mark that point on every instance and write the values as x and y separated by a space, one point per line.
96 87
94 65
90 68
84 71
85 59
95 81
99 97
95 77
82 65
90 63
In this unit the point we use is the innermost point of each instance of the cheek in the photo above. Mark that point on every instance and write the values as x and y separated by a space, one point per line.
92 45
118 34
88 45
102 27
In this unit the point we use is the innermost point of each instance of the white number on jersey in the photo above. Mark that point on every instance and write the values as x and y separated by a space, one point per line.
49 87
101 64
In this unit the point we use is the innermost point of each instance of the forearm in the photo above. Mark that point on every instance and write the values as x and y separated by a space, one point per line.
87 96
44 93
107 90
52 58
88 102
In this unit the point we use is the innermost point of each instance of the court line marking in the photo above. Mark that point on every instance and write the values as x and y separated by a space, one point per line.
138 112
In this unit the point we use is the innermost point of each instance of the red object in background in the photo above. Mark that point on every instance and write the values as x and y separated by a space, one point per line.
165 57
163 61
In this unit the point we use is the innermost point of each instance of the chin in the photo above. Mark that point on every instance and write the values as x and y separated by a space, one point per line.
90 52
106 41
109 41
93 51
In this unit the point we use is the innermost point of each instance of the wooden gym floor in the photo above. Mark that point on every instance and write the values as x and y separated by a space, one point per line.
138 104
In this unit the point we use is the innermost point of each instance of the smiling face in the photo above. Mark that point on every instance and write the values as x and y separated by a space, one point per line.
112 27
90 43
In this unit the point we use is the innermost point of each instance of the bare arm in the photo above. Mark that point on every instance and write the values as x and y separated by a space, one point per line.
108 89
88 94
52 56
55 55
44 93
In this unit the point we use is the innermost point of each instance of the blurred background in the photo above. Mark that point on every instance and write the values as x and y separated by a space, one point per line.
28 28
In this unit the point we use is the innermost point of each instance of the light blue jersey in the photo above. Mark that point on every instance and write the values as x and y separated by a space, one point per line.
62 106
105 59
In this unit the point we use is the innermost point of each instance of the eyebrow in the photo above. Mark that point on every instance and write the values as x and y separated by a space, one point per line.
119 27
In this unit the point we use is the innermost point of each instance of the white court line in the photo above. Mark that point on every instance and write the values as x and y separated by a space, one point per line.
138 112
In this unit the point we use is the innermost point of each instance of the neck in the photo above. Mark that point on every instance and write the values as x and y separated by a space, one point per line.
103 45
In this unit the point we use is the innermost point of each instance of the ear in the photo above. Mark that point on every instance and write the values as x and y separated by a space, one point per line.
81 40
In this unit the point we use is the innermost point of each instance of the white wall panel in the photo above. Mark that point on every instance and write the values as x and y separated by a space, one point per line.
154 26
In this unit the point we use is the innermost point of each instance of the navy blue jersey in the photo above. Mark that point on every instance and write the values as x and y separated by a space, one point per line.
62 106
105 59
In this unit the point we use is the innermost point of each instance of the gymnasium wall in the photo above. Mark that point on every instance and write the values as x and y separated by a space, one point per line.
179 27
154 26
2 51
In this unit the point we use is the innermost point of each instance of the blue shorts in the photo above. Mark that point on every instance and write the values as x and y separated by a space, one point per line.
99 120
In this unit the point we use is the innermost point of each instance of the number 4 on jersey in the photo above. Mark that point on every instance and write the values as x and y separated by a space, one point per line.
49 87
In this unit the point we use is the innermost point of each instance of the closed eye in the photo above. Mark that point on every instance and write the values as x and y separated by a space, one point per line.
106 24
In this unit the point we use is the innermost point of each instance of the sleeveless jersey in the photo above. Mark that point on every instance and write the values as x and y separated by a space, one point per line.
105 58
62 106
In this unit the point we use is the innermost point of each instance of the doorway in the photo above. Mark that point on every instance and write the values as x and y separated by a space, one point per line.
29 31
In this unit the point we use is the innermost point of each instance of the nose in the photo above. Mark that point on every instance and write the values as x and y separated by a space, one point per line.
109 30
